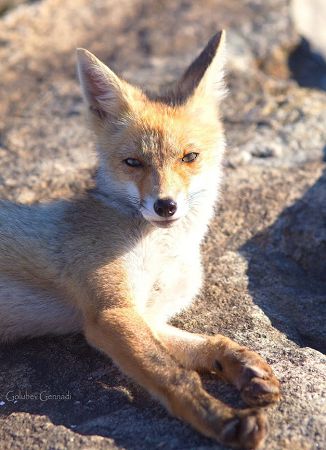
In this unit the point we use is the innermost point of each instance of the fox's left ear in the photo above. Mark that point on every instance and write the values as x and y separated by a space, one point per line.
203 80
106 95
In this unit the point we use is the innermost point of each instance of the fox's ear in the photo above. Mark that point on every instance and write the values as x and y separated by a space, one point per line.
106 95
204 78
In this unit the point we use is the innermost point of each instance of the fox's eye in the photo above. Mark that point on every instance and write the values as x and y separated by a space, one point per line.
190 157
133 162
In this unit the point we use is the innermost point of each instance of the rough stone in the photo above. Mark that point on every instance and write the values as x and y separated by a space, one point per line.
264 256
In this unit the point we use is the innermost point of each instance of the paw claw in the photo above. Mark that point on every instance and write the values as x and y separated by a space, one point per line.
261 392
247 430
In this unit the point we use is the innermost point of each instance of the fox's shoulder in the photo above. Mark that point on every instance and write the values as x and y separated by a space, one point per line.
12 213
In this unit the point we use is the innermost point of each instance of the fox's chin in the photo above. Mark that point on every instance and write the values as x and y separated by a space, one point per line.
164 223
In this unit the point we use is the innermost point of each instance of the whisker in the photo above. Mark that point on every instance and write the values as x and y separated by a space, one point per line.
121 197
196 194
143 206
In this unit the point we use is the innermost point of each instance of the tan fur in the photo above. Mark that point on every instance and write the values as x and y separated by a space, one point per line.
108 264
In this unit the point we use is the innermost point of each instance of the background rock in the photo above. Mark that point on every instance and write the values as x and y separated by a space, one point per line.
309 19
264 256
308 60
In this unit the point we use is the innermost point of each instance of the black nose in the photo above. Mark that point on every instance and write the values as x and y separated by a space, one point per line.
165 207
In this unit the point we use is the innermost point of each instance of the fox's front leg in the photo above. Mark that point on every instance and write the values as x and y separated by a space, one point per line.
238 365
123 335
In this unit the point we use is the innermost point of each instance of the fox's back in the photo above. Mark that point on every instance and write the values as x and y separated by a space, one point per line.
27 234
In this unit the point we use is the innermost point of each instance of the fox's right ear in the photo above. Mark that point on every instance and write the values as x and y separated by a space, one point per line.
203 80
106 95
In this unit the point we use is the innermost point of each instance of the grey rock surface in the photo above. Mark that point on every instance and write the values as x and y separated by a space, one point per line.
265 253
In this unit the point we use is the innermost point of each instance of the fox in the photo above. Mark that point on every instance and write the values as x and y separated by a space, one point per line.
119 260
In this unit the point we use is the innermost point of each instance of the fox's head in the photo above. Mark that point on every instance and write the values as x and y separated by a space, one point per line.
162 154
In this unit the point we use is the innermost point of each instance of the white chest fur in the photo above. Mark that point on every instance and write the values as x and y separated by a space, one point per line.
164 271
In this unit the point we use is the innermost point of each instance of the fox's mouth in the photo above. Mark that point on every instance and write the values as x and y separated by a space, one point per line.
164 223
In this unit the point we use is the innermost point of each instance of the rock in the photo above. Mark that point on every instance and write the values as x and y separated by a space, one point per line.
300 231
309 19
307 62
274 122
7 5
264 256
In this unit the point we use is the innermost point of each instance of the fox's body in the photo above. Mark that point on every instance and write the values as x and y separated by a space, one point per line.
40 247
122 259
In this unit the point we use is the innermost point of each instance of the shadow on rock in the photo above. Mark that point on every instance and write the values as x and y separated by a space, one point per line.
287 269
307 67
98 399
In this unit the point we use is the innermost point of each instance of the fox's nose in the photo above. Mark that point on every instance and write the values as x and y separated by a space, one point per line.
165 207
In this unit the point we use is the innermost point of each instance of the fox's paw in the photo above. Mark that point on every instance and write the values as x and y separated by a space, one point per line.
246 430
242 429
258 385
248 371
